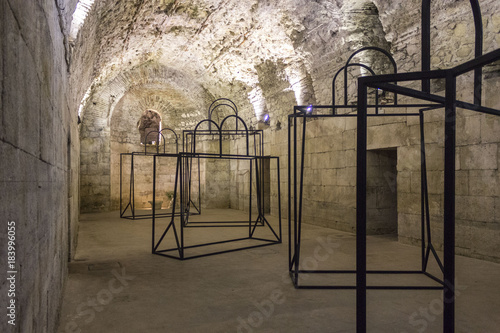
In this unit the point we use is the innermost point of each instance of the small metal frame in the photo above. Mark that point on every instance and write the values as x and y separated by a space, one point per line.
254 139
180 221
128 209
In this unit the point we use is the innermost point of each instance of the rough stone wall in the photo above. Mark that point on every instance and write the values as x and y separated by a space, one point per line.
330 172
39 148
477 178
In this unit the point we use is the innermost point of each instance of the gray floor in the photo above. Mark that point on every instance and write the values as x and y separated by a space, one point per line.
116 285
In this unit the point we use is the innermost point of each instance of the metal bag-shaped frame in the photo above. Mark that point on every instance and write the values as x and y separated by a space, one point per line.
180 221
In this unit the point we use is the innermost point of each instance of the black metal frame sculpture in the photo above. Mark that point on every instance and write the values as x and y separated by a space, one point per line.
296 163
189 142
449 102
180 221
133 155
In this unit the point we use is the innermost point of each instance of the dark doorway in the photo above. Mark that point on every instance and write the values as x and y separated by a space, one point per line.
382 195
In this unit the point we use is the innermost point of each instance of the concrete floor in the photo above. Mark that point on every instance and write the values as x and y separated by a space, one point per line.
115 284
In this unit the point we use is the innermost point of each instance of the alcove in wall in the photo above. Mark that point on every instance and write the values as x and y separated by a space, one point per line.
382 210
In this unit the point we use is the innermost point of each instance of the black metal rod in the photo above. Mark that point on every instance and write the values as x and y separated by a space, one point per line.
296 262
373 48
301 192
422 190
250 203
245 131
478 49
121 175
361 208
257 190
303 108
426 43
425 202
434 253
153 219
157 244
223 242
199 186
132 185
279 196
449 205
214 106
289 170
435 98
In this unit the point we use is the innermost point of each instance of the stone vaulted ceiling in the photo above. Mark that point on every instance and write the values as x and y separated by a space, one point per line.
248 51
215 44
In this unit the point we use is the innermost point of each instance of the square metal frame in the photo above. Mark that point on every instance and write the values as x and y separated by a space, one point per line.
182 184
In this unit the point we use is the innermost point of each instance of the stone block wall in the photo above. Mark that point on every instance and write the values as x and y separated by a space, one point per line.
240 179
39 149
477 178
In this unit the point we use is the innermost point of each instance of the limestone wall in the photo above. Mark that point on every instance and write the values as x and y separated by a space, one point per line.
39 149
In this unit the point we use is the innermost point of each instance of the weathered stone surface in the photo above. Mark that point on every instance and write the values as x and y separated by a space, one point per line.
479 157
39 165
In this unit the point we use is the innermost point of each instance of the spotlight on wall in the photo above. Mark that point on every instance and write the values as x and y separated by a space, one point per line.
309 109
264 121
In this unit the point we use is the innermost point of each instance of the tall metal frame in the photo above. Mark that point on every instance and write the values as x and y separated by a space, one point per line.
296 155
449 103
180 221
